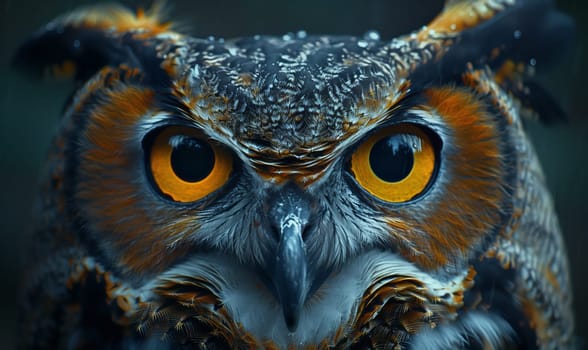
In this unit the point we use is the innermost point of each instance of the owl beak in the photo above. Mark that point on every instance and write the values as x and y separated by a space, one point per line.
290 273
288 267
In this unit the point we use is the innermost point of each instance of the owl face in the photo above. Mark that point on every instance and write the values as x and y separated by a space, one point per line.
296 190
294 182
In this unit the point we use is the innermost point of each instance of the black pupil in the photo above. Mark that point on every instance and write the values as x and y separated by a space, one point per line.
392 157
192 159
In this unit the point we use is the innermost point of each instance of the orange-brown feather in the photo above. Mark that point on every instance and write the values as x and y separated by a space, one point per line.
126 223
456 17
454 228
120 19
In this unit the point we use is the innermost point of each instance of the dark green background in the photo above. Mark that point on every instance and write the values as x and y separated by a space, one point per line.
30 110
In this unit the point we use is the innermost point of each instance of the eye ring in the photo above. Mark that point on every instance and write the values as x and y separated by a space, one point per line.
395 164
185 166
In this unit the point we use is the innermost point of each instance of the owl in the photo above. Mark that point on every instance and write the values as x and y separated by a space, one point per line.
298 192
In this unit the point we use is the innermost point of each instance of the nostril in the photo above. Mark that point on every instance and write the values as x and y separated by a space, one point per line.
306 231
274 232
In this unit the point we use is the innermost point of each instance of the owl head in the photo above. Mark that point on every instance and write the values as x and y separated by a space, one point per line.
291 173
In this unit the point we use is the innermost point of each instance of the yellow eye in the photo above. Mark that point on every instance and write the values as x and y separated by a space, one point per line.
395 164
187 167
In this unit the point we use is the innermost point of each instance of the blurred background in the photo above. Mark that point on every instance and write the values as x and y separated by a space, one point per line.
29 110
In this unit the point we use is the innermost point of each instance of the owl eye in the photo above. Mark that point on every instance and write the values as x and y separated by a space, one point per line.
185 166
395 164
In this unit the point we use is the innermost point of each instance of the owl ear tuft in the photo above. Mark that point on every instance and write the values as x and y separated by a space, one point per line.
489 32
523 36
80 43
530 31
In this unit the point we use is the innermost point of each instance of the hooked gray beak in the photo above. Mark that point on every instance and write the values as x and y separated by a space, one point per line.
288 269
